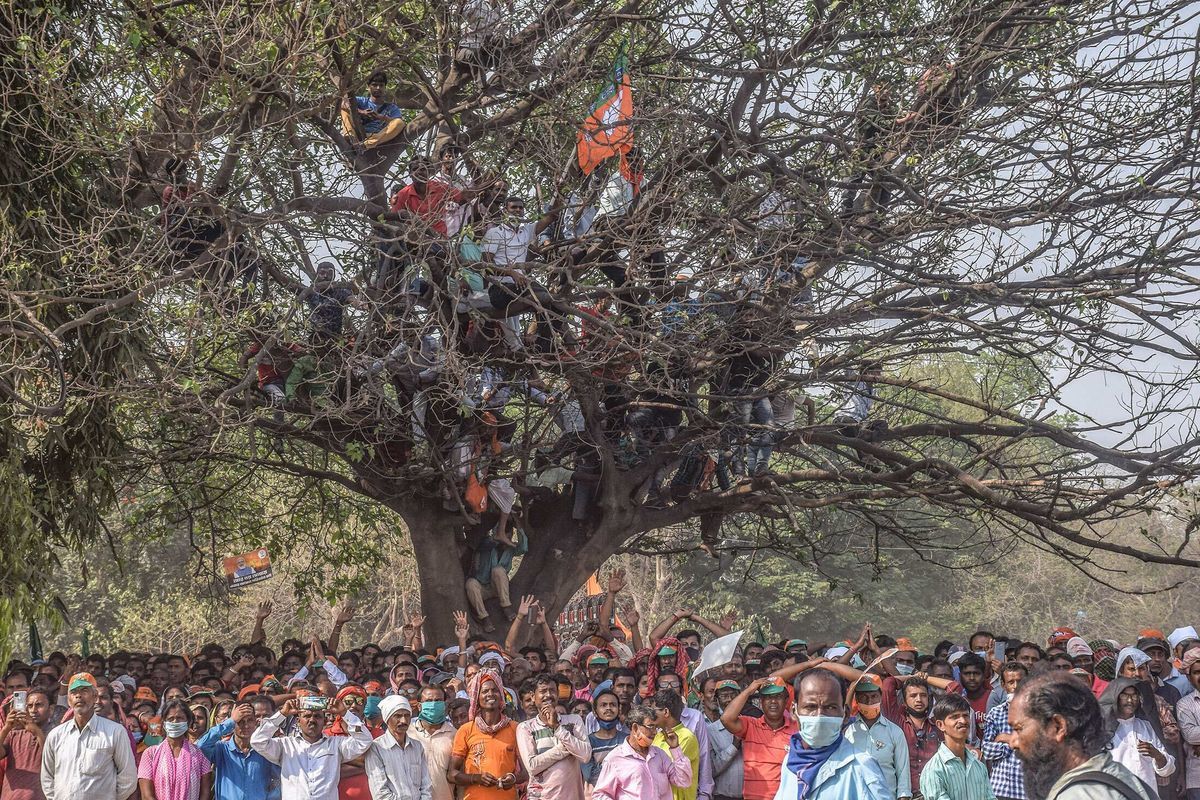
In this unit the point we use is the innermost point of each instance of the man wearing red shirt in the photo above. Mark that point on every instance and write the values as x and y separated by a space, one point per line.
764 739
426 199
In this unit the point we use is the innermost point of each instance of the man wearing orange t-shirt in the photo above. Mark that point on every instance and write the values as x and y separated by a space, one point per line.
764 739
484 757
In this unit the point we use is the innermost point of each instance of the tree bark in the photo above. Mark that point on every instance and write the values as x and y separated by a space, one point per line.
435 535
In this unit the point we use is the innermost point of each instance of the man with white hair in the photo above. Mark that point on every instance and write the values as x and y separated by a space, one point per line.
395 764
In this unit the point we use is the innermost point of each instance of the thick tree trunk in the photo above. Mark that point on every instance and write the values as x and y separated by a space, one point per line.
435 536
563 552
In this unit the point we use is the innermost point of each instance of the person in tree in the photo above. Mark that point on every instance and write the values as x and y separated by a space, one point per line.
372 120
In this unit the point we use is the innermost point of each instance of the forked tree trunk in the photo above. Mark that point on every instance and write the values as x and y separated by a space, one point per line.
562 554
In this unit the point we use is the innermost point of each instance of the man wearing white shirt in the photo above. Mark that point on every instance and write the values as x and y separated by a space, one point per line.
310 763
395 764
87 757
507 247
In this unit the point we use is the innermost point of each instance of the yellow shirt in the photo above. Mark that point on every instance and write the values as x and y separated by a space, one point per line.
691 748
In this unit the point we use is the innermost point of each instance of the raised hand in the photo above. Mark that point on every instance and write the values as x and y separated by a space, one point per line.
343 613
616 581
416 620
729 620
264 610
632 617
527 602
241 712
682 613
462 626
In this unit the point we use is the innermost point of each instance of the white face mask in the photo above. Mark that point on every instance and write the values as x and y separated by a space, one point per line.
175 730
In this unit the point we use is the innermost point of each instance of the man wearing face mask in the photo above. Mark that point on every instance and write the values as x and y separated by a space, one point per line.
764 739
637 770
242 774
821 764
1004 767
878 737
436 734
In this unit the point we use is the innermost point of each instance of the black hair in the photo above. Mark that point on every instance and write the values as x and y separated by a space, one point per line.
525 651
263 699
1053 694
988 634
437 687
50 699
971 660
944 646
378 76
668 701
171 705
353 656
1014 666
543 679
1030 646
948 704
914 682
662 675
883 641
687 632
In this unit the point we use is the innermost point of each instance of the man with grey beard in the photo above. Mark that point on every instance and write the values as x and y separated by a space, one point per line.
1060 737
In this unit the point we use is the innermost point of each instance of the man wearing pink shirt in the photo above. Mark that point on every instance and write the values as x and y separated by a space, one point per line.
636 770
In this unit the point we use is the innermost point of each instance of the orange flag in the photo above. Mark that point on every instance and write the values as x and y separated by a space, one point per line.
608 129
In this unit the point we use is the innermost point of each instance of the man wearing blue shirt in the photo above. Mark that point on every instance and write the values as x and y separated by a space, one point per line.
373 119
242 774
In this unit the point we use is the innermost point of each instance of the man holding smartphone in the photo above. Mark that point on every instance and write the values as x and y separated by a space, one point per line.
21 737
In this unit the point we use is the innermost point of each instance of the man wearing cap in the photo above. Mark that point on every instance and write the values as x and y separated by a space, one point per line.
242 773
553 748
764 739
88 757
1180 641
797 647
1083 657
395 764
310 764
879 737
1152 643
597 663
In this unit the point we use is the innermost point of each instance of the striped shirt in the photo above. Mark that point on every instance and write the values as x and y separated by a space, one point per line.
948 777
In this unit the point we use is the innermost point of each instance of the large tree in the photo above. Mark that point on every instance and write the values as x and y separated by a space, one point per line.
1006 187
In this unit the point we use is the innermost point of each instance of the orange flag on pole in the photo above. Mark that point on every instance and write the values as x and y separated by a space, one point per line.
608 129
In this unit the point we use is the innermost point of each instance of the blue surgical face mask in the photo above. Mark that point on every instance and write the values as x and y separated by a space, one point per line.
982 654
820 731
607 725
137 736
905 669
175 730
433 712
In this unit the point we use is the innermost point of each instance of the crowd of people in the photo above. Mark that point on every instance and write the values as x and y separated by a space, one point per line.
608 715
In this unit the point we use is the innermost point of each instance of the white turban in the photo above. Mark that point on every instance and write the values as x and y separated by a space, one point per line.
393 703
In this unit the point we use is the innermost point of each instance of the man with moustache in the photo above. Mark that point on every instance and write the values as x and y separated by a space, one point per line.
1059 735
88 756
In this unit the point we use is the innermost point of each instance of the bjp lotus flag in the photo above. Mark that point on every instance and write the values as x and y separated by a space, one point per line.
608 129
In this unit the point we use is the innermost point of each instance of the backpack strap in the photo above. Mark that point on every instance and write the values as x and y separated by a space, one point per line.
1111 781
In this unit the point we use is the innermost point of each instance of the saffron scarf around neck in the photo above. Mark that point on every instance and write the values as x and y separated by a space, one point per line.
806 762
